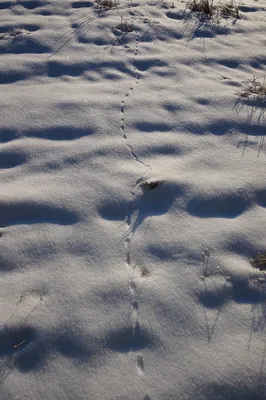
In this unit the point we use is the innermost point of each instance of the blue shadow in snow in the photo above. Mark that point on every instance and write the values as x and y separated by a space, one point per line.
30 4
82 4
125 340
11 337
261 198
223 206
60 133
152 127
25 44
154 202
11 160
17 213
4 5
29 349
244 293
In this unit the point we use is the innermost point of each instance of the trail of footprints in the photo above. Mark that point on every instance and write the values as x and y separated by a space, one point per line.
133 269
140 365
135 293
124 102
123 105
131 266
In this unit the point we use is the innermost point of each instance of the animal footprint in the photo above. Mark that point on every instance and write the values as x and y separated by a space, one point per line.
135 305
140 365
133 288
127 251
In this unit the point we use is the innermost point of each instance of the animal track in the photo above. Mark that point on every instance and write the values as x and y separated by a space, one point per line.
123 106
214 294
140 365
127 251
135 303
134 336
133 288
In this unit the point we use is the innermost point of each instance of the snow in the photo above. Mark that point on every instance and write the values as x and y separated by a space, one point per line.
132 201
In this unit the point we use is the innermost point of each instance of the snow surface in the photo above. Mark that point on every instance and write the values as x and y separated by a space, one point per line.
132 199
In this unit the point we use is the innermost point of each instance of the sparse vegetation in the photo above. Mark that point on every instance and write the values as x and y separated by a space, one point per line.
125 25
229 10
259 262
150 184
144 271
107 3
254 90
208 9
205 7
13 33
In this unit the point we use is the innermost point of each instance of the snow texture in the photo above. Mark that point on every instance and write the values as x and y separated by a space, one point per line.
132 162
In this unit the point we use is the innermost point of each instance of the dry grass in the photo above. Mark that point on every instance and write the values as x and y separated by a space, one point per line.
254 90
125 26
107 3
208 9
229 10
150 185
205 7
144 271
259 262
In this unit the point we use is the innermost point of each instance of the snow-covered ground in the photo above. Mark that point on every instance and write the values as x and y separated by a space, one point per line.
132 199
